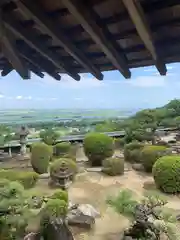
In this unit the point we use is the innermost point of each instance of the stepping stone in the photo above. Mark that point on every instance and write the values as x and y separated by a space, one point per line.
44 176
94 169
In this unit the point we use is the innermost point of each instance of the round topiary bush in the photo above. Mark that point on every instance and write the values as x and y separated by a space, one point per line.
41 154
97 147
132 152
166 173
113 166
57 164
61 149
150 154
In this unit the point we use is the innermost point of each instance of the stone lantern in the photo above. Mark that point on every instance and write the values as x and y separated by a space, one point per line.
23 133
62 178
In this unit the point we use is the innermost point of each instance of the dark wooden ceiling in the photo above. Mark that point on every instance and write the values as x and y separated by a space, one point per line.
76 36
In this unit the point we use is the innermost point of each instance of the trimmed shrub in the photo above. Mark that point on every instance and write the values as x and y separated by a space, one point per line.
27 179
57 164
113 166
62 149
62 195
41 154
150 154
132 152
97 147
166 173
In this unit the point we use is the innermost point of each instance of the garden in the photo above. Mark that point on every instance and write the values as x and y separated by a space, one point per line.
102 190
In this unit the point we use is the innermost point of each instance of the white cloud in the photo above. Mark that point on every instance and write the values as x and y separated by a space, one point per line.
53 99
28 98
78 99
169 67
19 97
2 96
148 81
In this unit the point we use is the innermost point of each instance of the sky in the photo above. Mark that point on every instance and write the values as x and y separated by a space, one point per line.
145 89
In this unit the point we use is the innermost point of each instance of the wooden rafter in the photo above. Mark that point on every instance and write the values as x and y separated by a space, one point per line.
58 35
39 64
6 70
85 17
138 18
27 36
10 52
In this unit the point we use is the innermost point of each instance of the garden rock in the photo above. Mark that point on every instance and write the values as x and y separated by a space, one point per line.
138 167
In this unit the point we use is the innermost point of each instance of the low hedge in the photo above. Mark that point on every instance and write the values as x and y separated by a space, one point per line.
27 179
113 166
150 154
166 173
132 152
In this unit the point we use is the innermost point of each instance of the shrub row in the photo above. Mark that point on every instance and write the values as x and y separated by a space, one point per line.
27 179
136 152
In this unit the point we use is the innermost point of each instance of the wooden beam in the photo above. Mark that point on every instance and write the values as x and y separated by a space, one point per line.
138 18
39 64
35 70
10 52
85 17
15 27
6 70
35 10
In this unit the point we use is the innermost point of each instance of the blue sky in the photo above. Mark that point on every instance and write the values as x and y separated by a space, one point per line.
145 89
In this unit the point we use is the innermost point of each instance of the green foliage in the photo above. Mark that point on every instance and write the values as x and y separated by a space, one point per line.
27 179
132 152
62 149
62 195
13 203
113 166
123 203
150 219
166 174
49 136
150 154
97 147
57 164
54 208
41 154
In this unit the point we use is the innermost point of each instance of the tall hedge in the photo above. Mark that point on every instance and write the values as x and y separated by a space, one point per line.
41 154
150 154
97 147
62 149
166 173
132 152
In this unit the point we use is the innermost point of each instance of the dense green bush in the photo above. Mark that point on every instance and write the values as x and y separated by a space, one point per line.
62 195
41 154
166 173
97 147
113 166
61 149
57 164
150 154
132 152
27 179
